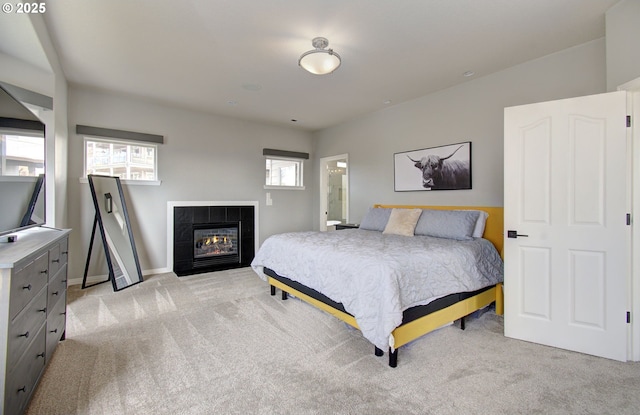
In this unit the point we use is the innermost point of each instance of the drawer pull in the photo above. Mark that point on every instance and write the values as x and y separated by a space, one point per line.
25 335
54 293
54 331
27 287
55 260
43 310
44 271
63 313
23 389
40 354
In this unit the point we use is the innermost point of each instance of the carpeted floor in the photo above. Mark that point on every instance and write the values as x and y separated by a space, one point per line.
218 343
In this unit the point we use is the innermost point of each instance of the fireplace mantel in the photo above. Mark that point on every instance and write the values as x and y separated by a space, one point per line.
170 221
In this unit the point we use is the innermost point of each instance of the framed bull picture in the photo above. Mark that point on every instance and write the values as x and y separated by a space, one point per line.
436 168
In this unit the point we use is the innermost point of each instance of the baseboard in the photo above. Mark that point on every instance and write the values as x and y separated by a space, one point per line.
98 278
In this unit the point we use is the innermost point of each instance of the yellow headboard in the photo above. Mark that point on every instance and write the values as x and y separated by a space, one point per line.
493 230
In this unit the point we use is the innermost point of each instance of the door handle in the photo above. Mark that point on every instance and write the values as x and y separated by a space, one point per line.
514 234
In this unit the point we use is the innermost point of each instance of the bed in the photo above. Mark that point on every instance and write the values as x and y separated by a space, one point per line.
390 284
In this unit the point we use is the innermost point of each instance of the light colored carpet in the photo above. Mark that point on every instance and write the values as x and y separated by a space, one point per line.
218 343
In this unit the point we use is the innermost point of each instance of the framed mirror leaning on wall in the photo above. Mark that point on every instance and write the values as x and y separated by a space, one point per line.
112 220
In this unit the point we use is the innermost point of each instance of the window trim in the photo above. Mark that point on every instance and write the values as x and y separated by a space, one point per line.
272 187
129 182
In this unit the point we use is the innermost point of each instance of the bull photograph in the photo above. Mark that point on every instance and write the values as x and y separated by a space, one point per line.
436 168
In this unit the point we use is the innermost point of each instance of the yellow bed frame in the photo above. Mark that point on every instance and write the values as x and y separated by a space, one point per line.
408 332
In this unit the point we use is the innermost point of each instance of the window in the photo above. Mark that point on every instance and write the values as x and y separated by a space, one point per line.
284 172
127 160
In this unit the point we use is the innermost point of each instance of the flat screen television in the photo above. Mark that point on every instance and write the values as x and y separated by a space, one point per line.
22 166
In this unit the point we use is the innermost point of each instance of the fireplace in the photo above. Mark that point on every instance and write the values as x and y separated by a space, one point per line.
212 238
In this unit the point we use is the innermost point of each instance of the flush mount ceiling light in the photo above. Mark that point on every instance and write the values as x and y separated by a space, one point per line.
320 61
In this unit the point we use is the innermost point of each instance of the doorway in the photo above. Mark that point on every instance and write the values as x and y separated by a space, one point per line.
334 191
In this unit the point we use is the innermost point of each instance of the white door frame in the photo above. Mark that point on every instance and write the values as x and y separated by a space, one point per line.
634 295
324 180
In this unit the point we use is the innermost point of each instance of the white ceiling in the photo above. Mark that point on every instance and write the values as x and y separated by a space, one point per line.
239 57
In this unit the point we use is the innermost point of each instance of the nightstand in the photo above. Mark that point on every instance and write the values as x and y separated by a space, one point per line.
342 226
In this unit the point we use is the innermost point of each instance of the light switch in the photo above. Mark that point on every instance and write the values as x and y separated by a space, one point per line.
269 201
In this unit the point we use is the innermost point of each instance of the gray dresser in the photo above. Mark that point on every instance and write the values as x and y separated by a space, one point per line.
33 305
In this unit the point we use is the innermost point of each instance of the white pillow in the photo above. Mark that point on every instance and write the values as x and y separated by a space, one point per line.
402 221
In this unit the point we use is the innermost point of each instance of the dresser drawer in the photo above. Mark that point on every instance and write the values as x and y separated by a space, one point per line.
54 260
56 324
57 288
64 251
58 257
22 379
25 326
27 282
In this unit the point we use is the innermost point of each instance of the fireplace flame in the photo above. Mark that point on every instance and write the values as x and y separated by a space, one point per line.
214 245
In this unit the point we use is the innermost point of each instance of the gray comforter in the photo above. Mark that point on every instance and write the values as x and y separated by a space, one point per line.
377 276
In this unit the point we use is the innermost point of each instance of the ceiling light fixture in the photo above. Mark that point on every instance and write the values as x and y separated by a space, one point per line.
320 61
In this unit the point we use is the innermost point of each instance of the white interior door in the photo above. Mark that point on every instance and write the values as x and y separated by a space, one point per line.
567 199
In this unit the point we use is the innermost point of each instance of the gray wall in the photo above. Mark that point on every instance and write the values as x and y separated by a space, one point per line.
204 158
623 51
472 111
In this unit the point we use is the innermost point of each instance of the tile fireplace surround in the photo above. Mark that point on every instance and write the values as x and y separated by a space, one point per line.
182 216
